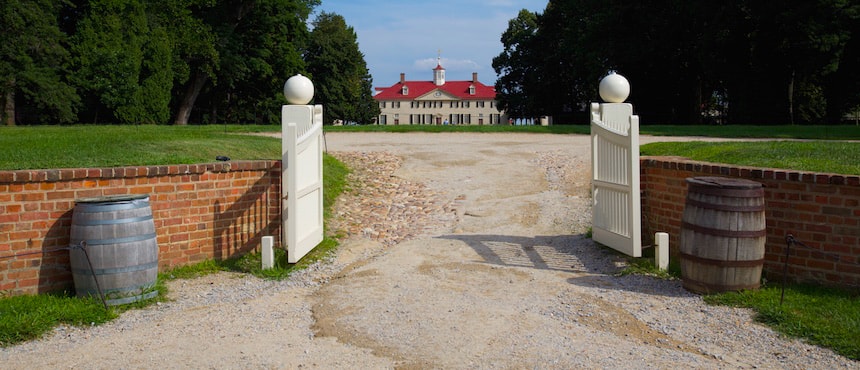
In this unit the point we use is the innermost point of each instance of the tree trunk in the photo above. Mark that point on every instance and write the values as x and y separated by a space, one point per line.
189 98
9 107
791 98
695 114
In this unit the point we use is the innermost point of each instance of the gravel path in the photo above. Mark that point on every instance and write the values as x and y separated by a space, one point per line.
463 251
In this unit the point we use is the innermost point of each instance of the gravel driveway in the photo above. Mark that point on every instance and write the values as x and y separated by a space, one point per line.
464 251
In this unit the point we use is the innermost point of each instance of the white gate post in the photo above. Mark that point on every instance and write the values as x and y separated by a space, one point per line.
301 169
615 169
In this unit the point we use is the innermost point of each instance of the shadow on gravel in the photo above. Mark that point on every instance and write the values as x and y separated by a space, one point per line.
568 253
633 283
594 267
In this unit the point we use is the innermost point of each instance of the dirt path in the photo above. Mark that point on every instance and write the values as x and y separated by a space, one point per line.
495 273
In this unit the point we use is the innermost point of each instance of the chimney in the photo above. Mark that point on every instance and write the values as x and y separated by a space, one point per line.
474 77
402 77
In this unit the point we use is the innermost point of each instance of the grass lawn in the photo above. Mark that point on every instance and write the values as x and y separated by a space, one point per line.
42 147
841 132
815 156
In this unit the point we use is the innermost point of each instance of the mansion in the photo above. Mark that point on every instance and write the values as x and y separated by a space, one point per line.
438 102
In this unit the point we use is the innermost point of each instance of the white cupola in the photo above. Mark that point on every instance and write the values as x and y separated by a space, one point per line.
439 73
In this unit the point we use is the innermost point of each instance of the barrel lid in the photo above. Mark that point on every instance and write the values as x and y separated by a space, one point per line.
723 183
113 198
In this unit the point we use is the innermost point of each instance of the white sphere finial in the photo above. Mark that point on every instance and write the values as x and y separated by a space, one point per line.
614 88
299 90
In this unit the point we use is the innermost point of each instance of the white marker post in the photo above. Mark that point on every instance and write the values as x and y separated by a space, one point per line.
661 254
268 253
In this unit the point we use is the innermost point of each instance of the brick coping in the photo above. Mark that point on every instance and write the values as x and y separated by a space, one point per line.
72 174
685 164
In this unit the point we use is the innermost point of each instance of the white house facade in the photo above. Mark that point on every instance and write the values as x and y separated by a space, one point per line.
438 102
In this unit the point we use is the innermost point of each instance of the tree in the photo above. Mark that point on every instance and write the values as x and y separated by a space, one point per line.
194 54
572 51
123 63
762 62
257 45
33 59
337 66
516 67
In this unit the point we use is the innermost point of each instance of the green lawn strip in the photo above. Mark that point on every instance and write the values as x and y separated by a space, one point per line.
45 147
840 132
28 317
822 132
822 316
814 156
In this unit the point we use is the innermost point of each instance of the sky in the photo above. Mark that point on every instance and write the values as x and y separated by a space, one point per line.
406 36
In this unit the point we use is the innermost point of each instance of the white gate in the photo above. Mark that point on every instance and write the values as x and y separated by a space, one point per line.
302 179
615 181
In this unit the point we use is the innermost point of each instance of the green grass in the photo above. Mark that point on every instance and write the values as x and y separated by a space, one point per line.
192 271
841 132
816 156
80 146
29 317
822 316
44 147
645 265
835 132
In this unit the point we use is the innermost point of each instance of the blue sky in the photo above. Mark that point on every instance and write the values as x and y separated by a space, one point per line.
405 35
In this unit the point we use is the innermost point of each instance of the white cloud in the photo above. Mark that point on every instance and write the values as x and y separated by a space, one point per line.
457 65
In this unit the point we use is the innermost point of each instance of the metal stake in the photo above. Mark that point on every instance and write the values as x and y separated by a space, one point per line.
83 247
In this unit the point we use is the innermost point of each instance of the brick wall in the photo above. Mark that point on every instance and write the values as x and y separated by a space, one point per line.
820 210
200 211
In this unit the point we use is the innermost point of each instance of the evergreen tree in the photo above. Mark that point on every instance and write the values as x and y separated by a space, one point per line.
341 79
33 62
123 64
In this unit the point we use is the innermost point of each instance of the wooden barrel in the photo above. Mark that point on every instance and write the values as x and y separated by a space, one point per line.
118 234
722 235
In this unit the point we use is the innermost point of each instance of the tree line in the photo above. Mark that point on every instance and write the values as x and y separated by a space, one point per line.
688 62
174 61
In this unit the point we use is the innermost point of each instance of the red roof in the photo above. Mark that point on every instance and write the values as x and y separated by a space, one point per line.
460 89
